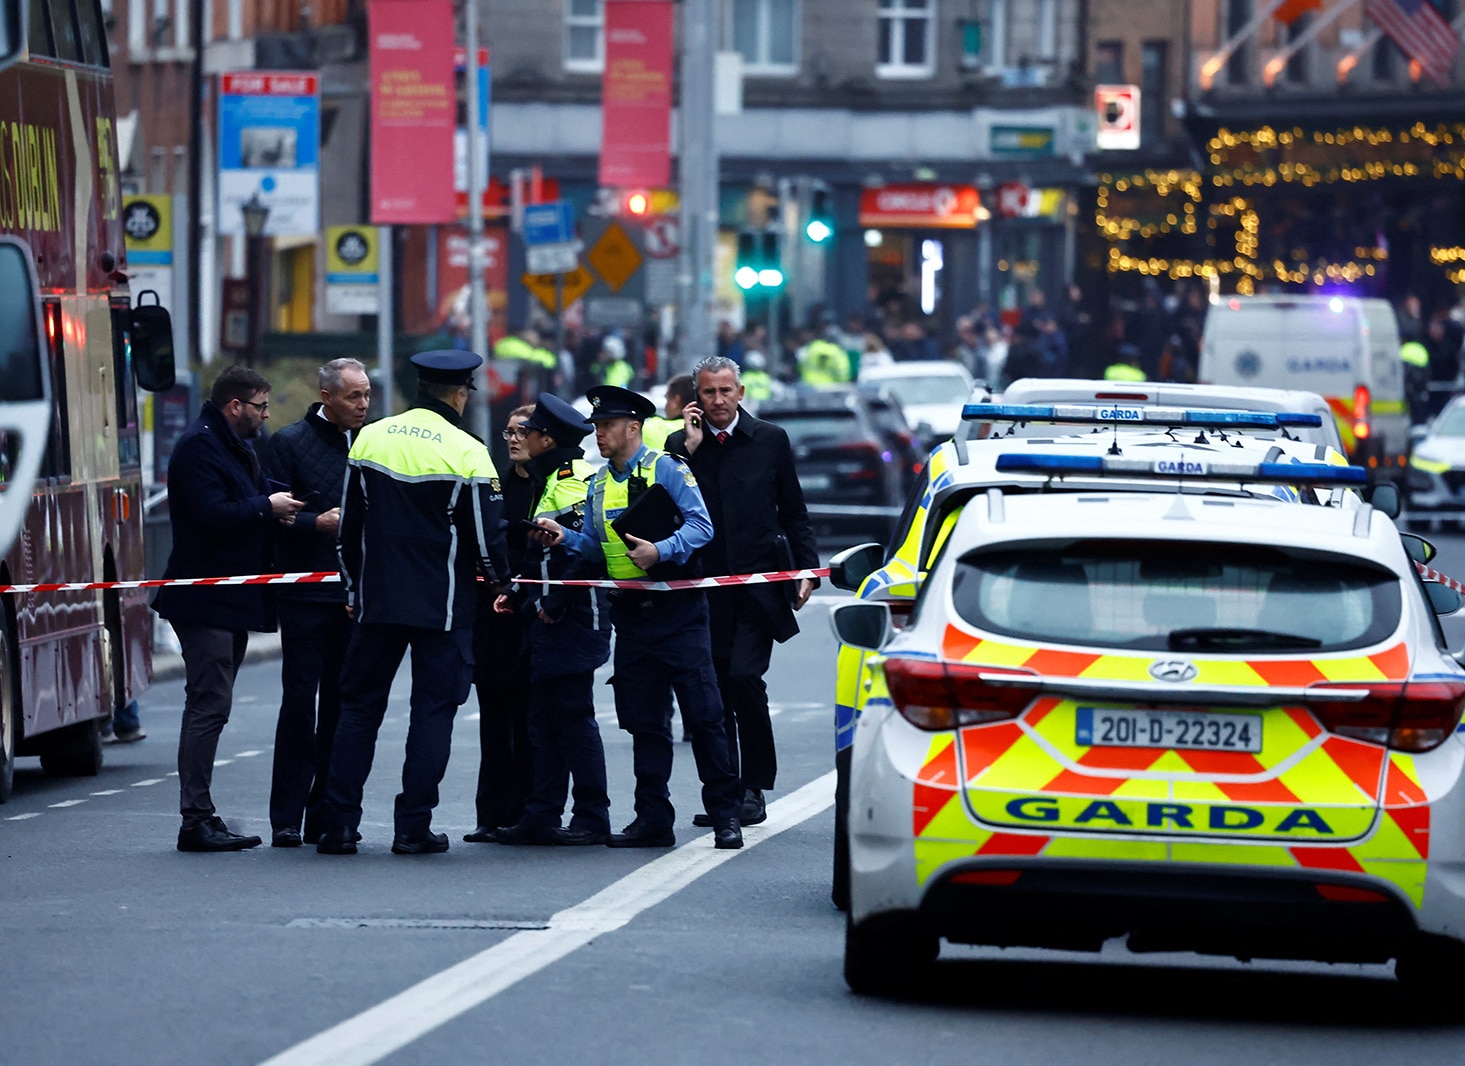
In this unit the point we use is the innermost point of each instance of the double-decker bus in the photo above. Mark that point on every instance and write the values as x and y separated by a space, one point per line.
68 659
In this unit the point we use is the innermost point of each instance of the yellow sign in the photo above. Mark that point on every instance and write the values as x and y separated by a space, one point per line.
614 257
147 222
351 251
576 284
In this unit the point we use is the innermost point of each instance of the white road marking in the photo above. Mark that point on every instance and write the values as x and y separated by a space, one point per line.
66 803
222 762
248 754
23 817
392 1024
149 781
107 792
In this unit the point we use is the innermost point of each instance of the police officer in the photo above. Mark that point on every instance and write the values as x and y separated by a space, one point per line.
661 637
422 511
569 637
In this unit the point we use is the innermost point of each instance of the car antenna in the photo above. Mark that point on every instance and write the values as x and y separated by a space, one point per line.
1114 448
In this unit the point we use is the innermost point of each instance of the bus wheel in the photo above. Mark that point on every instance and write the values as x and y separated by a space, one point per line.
75 751
9 712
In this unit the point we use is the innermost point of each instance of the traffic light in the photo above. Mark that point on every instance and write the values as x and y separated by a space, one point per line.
637 203
770 265
746 274
759 265
820 226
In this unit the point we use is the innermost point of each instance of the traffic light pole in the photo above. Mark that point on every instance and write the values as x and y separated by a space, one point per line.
478 417
699 183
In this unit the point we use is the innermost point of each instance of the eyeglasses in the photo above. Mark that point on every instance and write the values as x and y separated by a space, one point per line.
261 406
515 433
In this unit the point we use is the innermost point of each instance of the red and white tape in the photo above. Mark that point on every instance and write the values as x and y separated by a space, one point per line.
323 577
1431 574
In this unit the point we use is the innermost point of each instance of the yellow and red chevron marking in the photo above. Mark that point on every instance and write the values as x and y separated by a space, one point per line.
1342 408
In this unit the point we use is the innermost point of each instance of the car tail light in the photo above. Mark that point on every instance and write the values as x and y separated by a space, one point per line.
1406 716
1360 412
994 877
1135 396
935 695
867 453
1349 894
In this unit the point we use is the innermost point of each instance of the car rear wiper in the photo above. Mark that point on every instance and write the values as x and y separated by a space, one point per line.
1223 639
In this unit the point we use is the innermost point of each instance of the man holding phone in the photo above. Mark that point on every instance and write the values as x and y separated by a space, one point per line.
308 459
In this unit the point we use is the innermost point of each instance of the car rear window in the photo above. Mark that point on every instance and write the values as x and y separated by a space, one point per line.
1186 597
927 388
1451 423
812 427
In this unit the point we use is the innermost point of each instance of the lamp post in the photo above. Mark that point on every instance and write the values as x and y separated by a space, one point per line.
256 216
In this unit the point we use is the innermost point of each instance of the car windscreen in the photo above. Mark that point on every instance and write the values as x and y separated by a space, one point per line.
1200 598
1451 423
927 388
809 428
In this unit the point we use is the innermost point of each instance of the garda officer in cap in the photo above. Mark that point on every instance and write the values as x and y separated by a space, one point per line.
422 513
662 644
569 637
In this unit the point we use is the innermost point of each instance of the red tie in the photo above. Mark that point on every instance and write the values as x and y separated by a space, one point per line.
722 436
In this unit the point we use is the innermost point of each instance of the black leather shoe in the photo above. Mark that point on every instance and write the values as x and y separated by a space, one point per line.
702 821
579 838
337 842
285 838
484 834
639 834
214 835
728 837
755 810
521 834
313 837
431 844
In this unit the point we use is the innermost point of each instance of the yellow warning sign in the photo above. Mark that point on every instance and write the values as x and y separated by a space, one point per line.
614 257
576 284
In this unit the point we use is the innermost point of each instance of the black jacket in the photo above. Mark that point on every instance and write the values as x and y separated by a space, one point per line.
219 506
309 458
759 519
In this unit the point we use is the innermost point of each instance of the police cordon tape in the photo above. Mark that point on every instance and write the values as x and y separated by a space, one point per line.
323 577
1431 574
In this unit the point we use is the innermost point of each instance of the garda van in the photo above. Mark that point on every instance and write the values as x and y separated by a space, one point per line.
1345 348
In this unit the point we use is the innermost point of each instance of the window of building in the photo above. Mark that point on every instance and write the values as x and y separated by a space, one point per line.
1109 63
1154 57
907 39
1238 67
765 33
585 35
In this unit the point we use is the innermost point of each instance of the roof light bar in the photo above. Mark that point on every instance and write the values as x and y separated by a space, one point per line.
1185 468
1121 414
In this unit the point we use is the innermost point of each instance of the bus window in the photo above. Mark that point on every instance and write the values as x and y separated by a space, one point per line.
57 463
38 36
128 451
63 30
93 39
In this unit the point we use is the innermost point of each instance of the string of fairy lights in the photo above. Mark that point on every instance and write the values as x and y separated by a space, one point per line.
1261 159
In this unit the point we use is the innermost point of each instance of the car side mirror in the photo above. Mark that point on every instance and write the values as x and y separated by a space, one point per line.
1385 498
152 344
865 626
1417 548
1442 598
849 568
25 386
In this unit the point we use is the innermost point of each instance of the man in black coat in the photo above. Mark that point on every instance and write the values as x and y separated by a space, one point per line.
224 519
745 468
308 458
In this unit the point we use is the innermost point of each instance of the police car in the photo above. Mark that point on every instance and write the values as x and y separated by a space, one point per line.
963 469
1215 723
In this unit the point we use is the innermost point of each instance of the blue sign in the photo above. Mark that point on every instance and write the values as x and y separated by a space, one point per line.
269 151
551 223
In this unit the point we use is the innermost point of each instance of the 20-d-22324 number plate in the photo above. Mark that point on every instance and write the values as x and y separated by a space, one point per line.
1123 727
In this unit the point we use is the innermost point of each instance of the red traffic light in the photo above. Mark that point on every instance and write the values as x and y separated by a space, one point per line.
637 203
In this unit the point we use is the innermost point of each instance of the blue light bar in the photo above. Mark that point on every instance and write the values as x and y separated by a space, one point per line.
1121 414
1185 468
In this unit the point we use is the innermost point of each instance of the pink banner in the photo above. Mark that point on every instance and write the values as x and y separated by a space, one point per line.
413 111
635 148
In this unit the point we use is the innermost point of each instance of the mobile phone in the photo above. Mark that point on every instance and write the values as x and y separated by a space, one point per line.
529 525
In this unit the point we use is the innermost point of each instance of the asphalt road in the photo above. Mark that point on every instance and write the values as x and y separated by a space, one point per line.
116 948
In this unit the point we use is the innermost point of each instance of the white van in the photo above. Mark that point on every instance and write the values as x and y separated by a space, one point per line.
1345 348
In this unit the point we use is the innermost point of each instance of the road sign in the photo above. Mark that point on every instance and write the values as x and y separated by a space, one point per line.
551 223
614 257
351 270
1117 107
551 258
577 283
662 238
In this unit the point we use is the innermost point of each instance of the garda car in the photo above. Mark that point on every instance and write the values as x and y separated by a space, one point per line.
1436 475
1220 724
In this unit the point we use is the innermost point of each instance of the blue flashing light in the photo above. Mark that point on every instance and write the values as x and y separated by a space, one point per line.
1184 468
1016 462
1297 418
1312 473
1335 305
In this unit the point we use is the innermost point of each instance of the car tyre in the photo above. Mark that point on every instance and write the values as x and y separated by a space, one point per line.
1430 972
889 954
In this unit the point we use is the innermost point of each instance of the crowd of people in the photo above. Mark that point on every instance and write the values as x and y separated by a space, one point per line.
441 553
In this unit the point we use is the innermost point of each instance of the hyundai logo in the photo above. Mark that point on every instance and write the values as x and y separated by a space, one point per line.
1172 670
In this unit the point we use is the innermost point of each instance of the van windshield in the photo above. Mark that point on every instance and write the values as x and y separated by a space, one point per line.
1164 596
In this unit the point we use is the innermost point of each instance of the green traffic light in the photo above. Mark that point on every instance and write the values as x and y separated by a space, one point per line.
746 277
818 230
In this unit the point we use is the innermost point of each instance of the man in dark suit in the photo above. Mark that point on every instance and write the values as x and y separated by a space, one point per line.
746 470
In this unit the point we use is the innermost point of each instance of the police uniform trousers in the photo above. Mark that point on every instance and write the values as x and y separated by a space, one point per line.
501 676
741 652
565 741
313 640
442 673
662 646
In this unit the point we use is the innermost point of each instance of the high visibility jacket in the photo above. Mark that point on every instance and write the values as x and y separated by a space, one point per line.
578 638
612 497
656 429
618 372
757 384
516 347
1414 354
824 363
422 511
1123 372
566 491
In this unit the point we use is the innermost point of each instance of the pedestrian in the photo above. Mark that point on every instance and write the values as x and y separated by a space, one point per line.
569 638
1126 365
500 642
423 511
745 469
679 393
661 637
224 520
308 458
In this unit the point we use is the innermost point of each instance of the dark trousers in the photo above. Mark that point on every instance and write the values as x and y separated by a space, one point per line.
313 639
662 646
211 659
741 652
501 675
442 671
564 741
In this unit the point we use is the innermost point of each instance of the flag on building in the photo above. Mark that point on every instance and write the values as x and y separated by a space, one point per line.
1292 10
1420 32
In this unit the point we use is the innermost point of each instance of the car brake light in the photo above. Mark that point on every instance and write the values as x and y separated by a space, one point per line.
1135 396
1406 716
993 877
1360 412
935 695
1348 894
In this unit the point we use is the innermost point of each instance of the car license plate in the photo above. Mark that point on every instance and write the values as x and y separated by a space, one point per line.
1103 727
814 482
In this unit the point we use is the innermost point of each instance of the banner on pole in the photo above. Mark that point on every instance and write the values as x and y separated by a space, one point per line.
413 111
635 147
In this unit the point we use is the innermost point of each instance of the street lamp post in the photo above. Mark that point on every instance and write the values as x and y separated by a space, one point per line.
256 216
